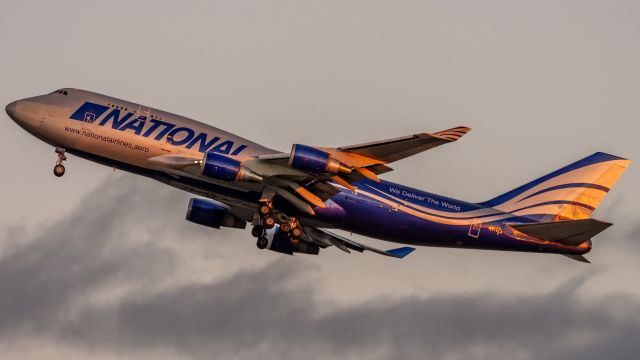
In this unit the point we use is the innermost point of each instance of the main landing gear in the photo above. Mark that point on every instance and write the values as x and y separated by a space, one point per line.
59 169
288 225
266 216
293 229
266 221
262 242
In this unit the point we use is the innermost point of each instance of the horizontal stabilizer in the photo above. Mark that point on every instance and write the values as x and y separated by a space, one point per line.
570 232
578 258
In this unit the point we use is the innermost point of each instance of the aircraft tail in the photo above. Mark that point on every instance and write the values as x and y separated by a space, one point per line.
576 233
566 232
571 193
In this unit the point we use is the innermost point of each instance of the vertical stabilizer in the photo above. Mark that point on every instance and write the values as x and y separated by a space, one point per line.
570 193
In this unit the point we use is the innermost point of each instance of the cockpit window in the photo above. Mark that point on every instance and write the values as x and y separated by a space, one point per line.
61 91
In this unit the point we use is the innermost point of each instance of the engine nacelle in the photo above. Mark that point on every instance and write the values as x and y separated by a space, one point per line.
307 158
279 242
212 214
222 167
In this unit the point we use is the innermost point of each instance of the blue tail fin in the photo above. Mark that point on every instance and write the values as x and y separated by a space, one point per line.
572 192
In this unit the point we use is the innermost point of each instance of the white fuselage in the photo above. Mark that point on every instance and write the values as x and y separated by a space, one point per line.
124 131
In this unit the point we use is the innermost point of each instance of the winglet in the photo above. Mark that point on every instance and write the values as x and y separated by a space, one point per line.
400 252
452 134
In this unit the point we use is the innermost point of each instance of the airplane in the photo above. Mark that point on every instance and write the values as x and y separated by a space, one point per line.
293 199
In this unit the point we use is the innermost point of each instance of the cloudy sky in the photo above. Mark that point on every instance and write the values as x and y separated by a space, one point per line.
103 264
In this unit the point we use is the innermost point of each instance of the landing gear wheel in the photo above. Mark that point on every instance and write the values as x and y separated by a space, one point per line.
257 231
58 170
268 222
264 209
262 242
285 227
296 233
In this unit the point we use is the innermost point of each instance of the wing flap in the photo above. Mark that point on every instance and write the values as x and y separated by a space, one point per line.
345 244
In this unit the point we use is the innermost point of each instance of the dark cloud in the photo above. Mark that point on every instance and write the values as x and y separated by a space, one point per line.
42 277
252 311
112 240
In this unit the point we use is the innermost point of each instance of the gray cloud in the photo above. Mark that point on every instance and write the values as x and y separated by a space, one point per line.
50 286
74 257
261 314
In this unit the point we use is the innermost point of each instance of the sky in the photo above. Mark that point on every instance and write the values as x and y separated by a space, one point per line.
102 263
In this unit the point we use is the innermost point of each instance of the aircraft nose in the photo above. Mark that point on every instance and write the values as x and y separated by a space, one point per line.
11 109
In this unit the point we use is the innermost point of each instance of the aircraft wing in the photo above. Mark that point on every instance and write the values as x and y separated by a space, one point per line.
356 162
307 176
384 151
366 160
325 238
399 148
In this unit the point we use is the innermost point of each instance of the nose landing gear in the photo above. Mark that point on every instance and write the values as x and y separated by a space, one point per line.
59 169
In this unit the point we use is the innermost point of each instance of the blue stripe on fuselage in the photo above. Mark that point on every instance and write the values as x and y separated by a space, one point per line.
89 112
556 202
589 160
567 186
418 197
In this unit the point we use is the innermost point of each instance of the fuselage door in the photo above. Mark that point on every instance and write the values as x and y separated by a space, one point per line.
144 111
143 114
474 230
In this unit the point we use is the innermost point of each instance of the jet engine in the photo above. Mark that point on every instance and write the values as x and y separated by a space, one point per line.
276 240
307 158
212 214
225 168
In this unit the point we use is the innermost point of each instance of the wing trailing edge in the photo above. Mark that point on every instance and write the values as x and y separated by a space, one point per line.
346 245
